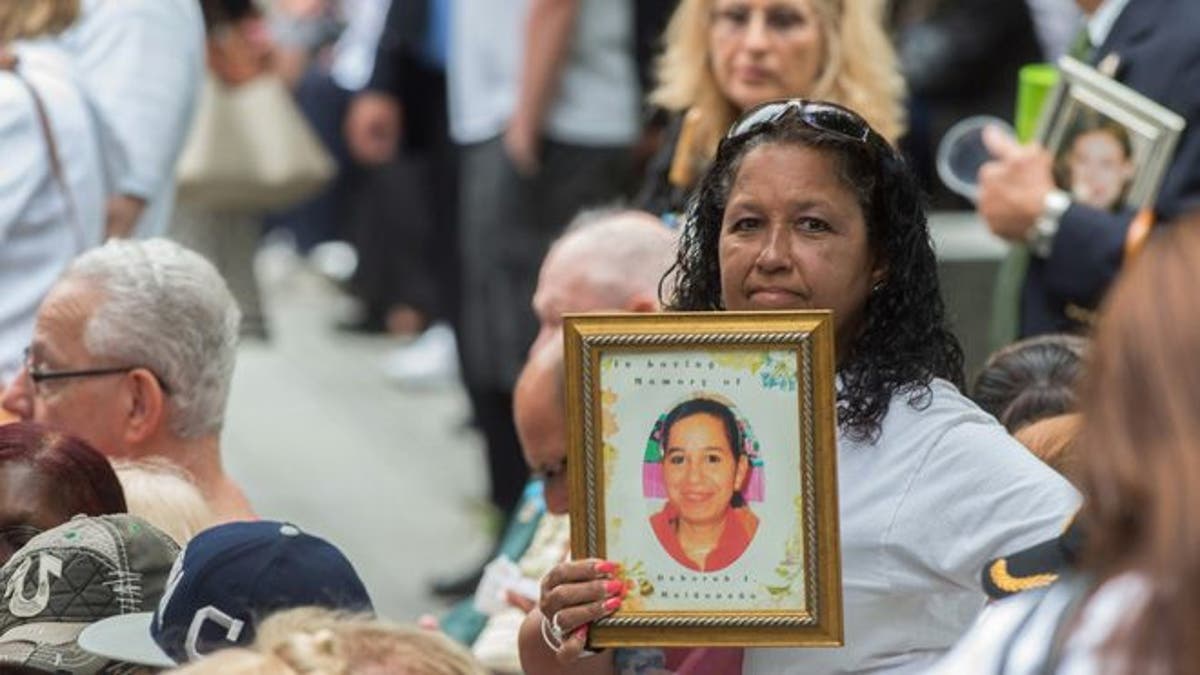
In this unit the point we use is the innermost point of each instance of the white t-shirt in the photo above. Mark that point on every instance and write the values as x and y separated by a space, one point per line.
38 237
944 490
141 63
596 101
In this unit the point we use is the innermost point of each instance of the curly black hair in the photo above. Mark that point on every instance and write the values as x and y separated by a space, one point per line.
904 341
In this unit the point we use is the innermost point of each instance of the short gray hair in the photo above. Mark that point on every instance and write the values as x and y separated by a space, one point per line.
165 308
623 252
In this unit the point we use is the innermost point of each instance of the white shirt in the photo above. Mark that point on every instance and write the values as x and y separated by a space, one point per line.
596 100
1101 22
354 52
38 237
991 643
1057 23
141 63
944 490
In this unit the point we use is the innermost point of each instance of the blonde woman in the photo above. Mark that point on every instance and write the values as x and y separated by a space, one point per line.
166 496
723 57
318 640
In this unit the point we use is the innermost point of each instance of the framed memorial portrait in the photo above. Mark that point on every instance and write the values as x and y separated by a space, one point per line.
702 459
1111 145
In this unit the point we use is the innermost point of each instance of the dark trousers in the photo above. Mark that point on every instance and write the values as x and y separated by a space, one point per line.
407 238
507 472
507 222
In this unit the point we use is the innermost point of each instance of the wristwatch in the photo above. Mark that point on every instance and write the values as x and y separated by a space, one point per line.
1040 237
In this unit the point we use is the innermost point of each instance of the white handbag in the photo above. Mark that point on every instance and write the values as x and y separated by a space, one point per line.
250 150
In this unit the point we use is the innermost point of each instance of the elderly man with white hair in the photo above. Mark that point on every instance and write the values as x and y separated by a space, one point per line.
607 260
133 351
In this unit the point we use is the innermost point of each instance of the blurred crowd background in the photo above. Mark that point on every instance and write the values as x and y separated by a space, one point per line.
398 200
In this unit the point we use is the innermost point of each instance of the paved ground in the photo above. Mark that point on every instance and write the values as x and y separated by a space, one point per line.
317 436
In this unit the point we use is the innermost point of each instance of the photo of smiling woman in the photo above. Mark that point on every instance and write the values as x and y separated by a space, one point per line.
704 459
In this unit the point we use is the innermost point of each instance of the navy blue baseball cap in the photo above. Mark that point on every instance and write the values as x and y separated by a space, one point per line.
226 580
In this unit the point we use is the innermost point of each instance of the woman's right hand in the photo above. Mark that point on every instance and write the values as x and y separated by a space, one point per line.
574 594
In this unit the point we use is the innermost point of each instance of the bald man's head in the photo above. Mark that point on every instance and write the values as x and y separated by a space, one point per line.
608 261
540 413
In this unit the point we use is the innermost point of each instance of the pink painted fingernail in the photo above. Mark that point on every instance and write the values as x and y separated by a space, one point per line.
613 587
611 604
581 633
606 567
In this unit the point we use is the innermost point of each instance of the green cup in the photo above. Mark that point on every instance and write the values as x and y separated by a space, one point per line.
1034 83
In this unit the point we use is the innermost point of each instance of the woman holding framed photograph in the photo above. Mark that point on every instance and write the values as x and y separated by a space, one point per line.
806 206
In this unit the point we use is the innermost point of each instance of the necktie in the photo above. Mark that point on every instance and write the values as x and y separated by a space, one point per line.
1082 48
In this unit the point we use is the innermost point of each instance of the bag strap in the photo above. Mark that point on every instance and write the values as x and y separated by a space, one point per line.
9 62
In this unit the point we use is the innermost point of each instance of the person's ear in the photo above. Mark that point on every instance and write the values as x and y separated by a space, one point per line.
146 410
739 476
879 272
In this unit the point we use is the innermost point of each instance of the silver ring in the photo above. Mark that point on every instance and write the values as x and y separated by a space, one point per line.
549 633
556 630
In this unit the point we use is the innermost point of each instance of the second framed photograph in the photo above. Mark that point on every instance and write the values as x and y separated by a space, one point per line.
702 459
1111 145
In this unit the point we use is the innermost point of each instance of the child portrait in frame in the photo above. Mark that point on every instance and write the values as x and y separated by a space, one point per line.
1096 162
1111 145
702 460
703 463
691 508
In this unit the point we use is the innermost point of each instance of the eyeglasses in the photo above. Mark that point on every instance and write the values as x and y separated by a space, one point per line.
38 376
820 115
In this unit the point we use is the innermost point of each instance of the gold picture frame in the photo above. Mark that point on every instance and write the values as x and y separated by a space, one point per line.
773 576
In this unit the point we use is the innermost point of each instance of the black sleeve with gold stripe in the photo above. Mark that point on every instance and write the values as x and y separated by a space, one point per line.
1034 567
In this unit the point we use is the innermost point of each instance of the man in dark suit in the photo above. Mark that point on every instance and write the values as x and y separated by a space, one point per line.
1076 250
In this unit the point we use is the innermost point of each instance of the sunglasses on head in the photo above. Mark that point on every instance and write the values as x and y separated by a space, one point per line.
830 118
